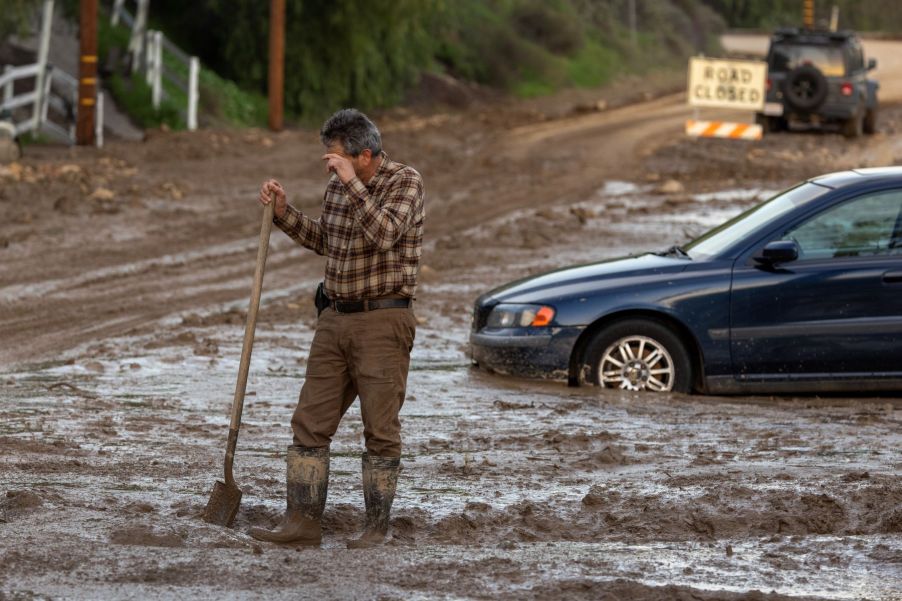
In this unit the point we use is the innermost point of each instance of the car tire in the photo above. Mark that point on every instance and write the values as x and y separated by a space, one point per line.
805 88
853 127
659 360
870 121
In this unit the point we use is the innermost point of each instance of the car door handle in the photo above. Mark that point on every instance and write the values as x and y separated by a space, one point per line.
893 277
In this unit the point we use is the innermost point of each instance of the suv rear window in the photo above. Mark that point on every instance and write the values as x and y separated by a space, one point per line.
828 59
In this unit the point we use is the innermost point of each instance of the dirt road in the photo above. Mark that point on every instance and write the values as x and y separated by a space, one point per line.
123 280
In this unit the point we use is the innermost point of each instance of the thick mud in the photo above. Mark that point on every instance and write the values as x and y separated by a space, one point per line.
123 283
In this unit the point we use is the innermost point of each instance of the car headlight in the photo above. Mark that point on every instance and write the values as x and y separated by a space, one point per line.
520 316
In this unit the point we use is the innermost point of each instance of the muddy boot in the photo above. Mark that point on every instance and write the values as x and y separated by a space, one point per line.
308 481
380 478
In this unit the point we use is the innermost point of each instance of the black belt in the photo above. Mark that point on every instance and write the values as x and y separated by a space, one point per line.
369 305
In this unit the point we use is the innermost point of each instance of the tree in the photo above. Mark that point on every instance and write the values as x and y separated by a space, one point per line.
15 16
355 52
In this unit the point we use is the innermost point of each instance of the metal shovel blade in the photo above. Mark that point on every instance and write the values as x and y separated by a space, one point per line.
223 504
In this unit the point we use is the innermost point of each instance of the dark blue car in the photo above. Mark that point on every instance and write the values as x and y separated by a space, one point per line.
799 294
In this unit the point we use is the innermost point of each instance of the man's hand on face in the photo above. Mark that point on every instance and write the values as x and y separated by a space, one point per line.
273 189
340 166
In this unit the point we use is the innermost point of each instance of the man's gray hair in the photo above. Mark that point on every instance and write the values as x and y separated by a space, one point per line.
354 130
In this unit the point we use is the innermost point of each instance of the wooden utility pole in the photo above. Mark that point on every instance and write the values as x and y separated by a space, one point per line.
276 64
87 73
808 14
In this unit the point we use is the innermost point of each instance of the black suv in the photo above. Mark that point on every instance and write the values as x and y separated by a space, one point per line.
819 77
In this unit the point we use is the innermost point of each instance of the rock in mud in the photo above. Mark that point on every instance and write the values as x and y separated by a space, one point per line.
9 150
102 194
595 497
94 366
670 186
17 502
20 499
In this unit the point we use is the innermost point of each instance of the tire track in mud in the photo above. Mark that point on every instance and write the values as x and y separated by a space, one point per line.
566 160
59 314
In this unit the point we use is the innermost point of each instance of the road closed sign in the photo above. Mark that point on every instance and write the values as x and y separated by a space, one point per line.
729 84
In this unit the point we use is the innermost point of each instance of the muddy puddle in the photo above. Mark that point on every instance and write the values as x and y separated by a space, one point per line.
509 489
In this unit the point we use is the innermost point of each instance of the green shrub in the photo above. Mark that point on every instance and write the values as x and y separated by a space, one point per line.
15 16
224 100
594 65
558 31
133 95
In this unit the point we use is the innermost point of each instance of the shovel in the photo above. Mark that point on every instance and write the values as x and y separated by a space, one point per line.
226 496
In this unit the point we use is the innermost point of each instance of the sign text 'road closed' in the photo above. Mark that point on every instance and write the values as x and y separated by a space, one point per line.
732 84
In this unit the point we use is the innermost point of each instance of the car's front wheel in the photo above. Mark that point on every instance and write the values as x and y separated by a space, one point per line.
639 354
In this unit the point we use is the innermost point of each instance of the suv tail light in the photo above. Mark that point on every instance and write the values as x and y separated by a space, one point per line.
767 85
846 89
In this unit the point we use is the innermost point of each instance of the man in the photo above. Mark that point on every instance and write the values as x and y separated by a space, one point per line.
371 232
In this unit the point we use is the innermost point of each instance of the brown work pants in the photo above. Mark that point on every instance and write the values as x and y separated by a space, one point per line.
365 354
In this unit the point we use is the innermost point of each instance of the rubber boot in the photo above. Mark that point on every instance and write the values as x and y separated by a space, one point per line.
380 479
308 482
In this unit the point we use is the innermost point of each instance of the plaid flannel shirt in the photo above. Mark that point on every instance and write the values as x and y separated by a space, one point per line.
371 234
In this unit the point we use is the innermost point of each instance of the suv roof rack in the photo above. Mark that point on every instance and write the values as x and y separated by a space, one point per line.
810 35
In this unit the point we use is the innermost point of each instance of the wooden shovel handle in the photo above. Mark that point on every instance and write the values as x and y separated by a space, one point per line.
248 345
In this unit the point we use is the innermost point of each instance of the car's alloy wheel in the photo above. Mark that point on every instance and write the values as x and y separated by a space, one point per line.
637 363
639 354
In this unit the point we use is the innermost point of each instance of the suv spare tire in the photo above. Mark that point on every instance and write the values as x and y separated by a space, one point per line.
805 88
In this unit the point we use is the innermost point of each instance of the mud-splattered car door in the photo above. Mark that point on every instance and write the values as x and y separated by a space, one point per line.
834 312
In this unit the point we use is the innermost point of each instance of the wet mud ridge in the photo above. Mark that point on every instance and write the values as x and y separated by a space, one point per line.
123 288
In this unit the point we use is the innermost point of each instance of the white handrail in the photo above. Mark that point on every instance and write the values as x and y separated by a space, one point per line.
42 102
42 96
12 73
20 100
98 122
157 83
193 78
117 12
147 47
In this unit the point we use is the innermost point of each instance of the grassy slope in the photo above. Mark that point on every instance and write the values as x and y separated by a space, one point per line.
220 100
532 48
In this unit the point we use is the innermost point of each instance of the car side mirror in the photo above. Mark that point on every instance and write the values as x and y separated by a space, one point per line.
872 64
778 251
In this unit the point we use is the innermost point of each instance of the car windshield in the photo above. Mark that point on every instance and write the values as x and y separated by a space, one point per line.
720 238
828 59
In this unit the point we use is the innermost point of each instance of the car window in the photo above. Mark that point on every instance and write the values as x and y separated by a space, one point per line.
863 227
720 238
828 59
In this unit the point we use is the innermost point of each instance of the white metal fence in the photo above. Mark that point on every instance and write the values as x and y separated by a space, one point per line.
51 88
150 50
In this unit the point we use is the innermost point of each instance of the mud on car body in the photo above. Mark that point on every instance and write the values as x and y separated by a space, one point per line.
799 293
819 78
